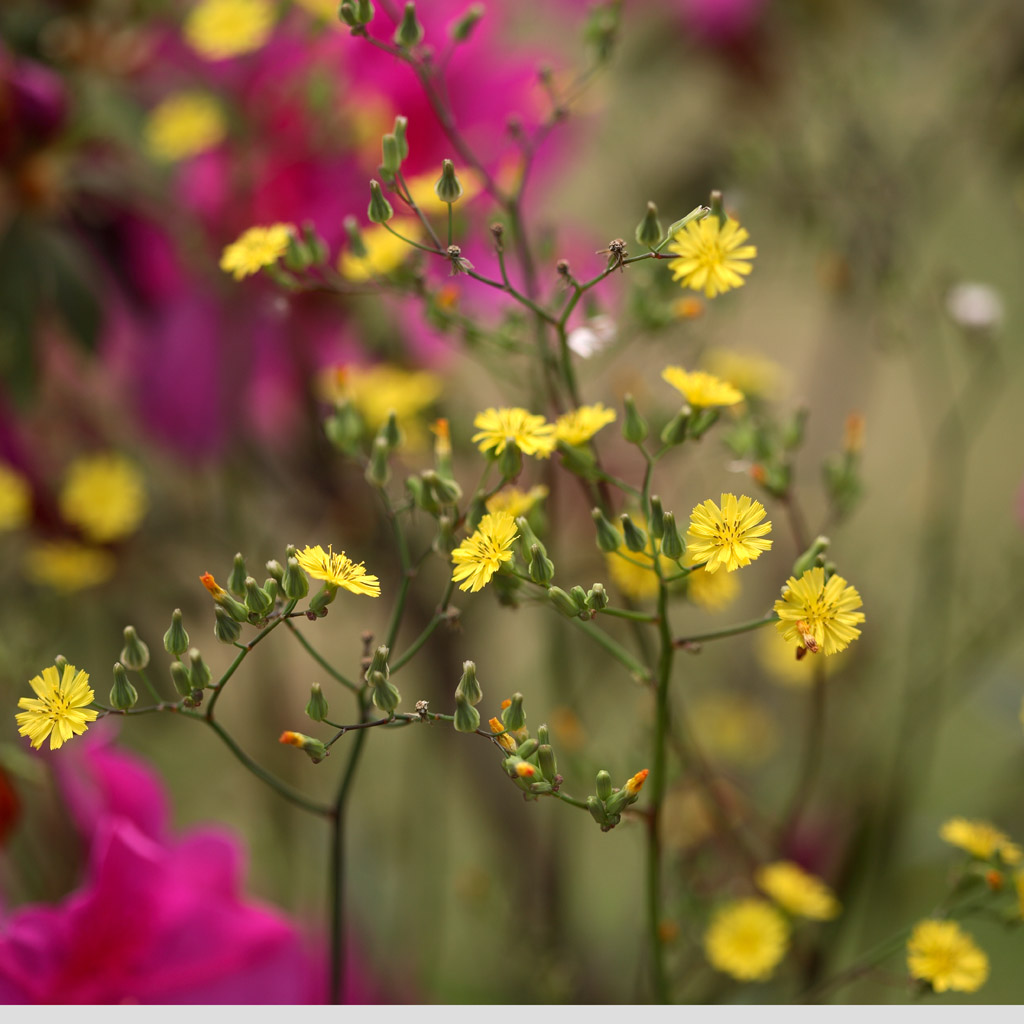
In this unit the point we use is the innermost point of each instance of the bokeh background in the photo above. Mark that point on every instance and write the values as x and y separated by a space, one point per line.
873 151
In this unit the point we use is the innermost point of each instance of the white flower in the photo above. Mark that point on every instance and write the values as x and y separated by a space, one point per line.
592 337
974 306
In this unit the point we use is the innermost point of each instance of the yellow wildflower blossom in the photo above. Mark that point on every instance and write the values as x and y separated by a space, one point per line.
338 570
384 252
255 249
944 955
1018 881
481 555
104 496
754 375
580 425
747 939
516 502
712 256
713 591
502 735
636 782
700 389
183 125
796 891
60 708
15 499
66 565
731 536
819 615
530 433
217 29
980 839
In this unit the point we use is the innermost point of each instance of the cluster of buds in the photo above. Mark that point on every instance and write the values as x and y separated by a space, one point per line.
607 806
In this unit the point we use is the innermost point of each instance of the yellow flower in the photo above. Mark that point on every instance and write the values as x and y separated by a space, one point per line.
819 615
796 891
639 581
730 536
754 375
15 499
480 556
67 565
103 495
384 252
942 954
516 502
421 188
337 570
980 839
1018 881
217 29
713 591
701 389
183 125
60 708
498 428
636 783
747 939
580 425
712 256
255 249
503 736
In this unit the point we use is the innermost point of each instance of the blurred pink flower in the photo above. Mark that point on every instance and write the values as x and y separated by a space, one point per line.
720 20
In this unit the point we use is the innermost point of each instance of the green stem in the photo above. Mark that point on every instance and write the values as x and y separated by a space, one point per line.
149 686
814 732
743 627
639 672
321 660
625 613
439 617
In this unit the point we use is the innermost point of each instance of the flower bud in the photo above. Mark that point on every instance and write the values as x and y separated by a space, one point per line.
317 706
546 759
315 244
295 584
444 542
510 462
597 597
176 638
225 629
476 511
649 231
579 596
344 429
527 748
528 537
313 747
347 13
390 430
461 29
122 695
385 693
234 608
409 31
671 543
380 210
271 588
811 557
702 422
634 426
469 687
448 188
629 794
199 672
276 570
379 663
364 12
356 244
514 717
401 124
604 785
657 520
391 154
467 718
718 207
378 472
443 490
501 735
636 539
596 809
60 661
563 602
674 432
540 569
257 600
608 538
543 735
135 654
181 680
236 581
322 598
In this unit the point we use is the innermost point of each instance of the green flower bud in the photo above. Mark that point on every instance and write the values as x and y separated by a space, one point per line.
123 695
276 570
579 596
674 432
634 426
657 521
671 543
391 154
444 542
295 584
379 663
257 600
385 693
401 124
546 759
236 581
176 638
180 678
322 598
649 231
468 686
467 718
596 809
199 672
235 609
448 188
316 245
702 422
597 597
608 538
364 12
380 210
409 31
461 29
347 13
528 537
443 490
225 629
60 661
541 569
577 460
514 717
355 238
271 588
390 430
636 539
135 654
563 602
543 736
718 207
298 255
811 557
476 511
604 785
314 748
378 472
527 748
317 706
510 462
344 429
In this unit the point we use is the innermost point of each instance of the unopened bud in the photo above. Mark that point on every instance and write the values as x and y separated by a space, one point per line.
657 521
380 210
443 490
546 759
636 539
541 569
649 231
467 718
295 584
199 672
596 809
674 432
379 663
448 187
672 545
236 581
385 693
634 426
356 244
597 597
461 28
514 717
401 124
315 748
317 708
135 654
257 600
276 570
469 686
176 638
527 748
608 538
378 472
811 557
409 31
563 602
181 680
226 629
604 785
391 154
122 695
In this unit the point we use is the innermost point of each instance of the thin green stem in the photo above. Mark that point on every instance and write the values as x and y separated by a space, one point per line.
626 613
321 660
439 617
810 762
716 634
639 672
154 693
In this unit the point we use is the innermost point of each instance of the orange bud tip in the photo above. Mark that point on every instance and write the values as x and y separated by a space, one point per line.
757 473
668 931
636 783
853 435
994 880
525 771
211 584
495 724
505 704
292 739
